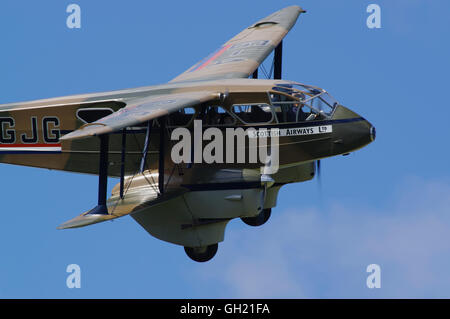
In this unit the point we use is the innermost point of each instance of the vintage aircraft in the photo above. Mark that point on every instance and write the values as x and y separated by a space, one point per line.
129 134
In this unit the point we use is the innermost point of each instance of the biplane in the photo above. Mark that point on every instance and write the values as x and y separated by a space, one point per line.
133 135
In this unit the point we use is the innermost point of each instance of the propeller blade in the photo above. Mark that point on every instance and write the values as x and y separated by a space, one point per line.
263 197
319 175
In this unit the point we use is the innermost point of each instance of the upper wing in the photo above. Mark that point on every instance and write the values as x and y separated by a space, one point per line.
141 111
238 58
241 56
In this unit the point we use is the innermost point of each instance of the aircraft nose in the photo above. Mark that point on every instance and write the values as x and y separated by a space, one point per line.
354 133
364 132
373 133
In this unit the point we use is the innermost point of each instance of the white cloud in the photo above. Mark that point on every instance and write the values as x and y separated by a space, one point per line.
324 254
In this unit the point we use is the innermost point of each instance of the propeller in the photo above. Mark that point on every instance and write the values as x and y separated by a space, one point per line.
319 176
318 162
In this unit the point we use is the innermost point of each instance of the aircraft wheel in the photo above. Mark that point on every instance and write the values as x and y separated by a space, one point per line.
201 254
259 219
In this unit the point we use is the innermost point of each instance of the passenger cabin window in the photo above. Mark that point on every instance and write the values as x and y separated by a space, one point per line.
214 115
181 117
253 113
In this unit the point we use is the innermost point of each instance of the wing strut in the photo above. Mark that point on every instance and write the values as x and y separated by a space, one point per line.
101 208
162 127
146 145
278 59
162 130
122 164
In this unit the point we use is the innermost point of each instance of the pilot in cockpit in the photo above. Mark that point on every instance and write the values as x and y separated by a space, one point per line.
299 106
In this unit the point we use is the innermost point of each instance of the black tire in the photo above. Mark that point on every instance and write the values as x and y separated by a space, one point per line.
201 254
259 219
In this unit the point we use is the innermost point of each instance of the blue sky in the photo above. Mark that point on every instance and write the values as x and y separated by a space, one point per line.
386 204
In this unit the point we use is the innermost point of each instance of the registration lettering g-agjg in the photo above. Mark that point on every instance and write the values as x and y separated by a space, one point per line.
48 127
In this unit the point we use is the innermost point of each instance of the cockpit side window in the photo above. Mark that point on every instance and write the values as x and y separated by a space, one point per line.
286 108
316 103
253 113
215 115
289 109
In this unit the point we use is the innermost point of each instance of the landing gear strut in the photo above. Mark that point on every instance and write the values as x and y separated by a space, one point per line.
201 254
259 219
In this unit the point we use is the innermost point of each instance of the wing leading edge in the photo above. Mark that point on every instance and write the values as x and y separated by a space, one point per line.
141 111
241 56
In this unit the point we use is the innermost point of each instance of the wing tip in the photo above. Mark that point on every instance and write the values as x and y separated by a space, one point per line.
85 220
294 7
